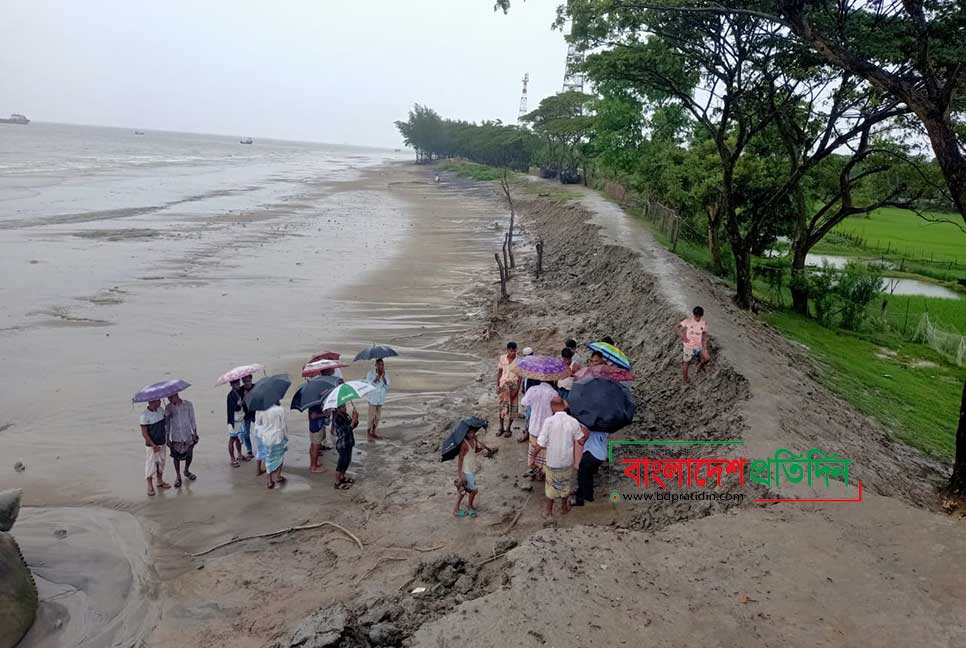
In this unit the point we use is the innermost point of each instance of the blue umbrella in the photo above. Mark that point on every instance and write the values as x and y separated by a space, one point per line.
159 390
267 391
451 448
376 352
313 392
601 404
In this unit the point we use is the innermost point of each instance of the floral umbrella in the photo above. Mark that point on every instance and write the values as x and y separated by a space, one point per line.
159 390
238 373
605 371
537 367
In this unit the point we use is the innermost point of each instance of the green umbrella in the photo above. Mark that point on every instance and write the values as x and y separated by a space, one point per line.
346 392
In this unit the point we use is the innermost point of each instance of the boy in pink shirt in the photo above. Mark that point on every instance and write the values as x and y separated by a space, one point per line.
693 332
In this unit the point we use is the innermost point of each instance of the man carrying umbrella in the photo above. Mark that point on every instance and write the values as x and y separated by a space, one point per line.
235 422
153 430
508 389
377 397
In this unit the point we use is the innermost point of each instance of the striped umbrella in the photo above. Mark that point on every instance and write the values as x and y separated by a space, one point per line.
346 392
611 353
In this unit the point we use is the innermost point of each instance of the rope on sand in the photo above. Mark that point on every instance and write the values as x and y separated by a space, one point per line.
272 534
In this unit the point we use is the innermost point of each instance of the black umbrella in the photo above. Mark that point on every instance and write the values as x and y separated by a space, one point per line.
267 392
376 352
451 448
601 404
313 392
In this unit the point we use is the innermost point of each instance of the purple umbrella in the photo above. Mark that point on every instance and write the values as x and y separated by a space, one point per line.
160 390
541 367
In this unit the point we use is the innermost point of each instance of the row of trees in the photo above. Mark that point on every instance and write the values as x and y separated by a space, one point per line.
493 143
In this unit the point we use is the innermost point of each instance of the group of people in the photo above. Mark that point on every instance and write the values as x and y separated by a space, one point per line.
557 443
259 435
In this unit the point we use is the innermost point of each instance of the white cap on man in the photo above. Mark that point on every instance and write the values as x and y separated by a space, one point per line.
527 351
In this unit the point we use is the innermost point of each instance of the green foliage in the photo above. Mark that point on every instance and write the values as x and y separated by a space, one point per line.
564 121
491 143
472 170
841 298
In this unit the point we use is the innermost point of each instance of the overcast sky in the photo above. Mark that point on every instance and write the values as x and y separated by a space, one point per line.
336 71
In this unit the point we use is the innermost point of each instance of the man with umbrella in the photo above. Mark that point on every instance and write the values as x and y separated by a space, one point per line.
154 432
377 397
236 422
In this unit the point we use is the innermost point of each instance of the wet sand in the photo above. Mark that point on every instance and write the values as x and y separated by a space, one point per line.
404 269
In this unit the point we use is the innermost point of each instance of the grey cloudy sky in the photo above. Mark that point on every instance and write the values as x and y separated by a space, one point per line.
324 70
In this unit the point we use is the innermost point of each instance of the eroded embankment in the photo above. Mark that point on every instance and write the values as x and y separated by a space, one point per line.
592 568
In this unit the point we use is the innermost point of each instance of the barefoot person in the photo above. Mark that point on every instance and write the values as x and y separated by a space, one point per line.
377 397
594 454
345 441
466 469
508 389
271 434
236 423
538 399
182 435
154 432
558 436
693 332
318 422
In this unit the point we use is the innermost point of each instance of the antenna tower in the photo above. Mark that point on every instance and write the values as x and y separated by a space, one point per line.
523 97
573 77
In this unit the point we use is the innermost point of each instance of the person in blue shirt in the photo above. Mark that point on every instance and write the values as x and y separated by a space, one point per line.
595 453
377 397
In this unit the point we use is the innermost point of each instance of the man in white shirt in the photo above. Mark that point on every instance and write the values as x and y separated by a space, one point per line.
557 437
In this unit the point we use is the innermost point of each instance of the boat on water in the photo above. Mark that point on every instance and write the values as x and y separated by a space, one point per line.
139 132
16 118
245 140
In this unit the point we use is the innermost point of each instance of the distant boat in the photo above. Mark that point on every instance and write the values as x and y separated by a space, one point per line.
398 150
139 132
16 118
245 140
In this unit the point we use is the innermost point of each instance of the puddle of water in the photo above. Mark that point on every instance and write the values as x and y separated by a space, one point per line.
890 284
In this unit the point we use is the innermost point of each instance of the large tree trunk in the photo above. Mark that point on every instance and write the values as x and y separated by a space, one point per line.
945 145
742 275
714 241
798 286
958 482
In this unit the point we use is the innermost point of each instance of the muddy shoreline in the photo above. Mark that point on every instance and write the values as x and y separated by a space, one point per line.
687 573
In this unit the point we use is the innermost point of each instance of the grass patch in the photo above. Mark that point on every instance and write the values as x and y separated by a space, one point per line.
901 233
917 402
472 170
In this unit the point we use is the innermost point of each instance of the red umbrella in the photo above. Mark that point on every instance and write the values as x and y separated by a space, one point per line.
328 355
604 371
316 367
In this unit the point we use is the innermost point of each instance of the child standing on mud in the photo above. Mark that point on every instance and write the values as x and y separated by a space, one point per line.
466 468
693 332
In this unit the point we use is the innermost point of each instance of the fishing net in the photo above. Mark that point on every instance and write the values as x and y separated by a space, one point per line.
951 345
